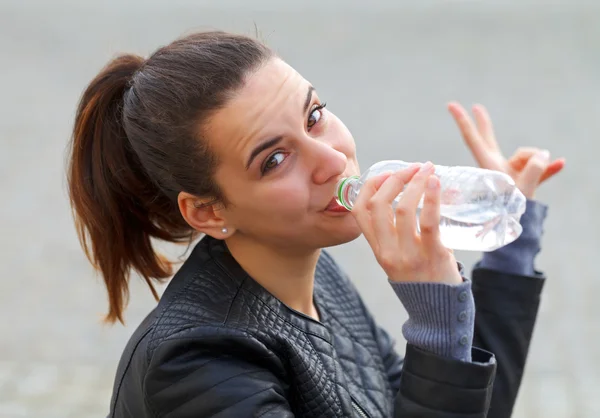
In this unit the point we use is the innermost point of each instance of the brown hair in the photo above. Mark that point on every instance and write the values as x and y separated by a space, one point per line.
137 142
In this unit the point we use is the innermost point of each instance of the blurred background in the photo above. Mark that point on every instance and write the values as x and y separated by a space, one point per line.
387 68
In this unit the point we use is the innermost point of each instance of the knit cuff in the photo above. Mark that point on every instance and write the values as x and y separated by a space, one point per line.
518 257
441 317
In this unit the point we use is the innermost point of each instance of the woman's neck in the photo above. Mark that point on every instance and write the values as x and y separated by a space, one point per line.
287 276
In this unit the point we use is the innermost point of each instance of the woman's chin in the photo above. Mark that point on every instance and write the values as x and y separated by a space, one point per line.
345 232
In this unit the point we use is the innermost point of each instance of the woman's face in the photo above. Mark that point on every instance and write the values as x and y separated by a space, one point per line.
280 156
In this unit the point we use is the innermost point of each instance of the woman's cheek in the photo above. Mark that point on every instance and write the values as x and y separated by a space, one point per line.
289 196
344 142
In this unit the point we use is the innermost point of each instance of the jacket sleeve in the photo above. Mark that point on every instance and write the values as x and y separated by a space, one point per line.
427 385
506 311
212 372
432 386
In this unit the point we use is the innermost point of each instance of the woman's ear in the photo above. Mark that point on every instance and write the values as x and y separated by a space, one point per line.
200 214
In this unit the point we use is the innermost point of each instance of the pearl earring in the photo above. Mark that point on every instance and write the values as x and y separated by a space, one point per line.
224 230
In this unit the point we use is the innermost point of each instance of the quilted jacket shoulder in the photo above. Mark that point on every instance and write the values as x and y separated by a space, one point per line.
218 344
212 294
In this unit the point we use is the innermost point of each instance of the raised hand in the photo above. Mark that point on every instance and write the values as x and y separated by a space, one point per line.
529 167
403 253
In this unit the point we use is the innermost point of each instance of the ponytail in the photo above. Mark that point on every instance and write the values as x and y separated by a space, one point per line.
138 142
117 208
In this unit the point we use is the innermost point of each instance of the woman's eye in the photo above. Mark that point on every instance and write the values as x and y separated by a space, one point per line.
315 115
273 161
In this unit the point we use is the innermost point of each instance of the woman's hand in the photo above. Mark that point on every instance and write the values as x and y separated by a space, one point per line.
528 167
404 254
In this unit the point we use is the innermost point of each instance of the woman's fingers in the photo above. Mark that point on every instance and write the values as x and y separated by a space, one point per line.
369 202
367 191
371 186
380 204
532 173
555 167
406 210
520 159
361 214
484 126
521 156
478 146
399 250
429 220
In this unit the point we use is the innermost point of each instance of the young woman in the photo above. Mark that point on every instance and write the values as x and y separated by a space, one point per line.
215 135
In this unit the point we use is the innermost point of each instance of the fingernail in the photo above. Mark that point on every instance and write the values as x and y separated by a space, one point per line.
432 182
414 167
544 155
427 166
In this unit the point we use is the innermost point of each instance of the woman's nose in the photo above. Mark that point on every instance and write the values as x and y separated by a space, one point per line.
328 163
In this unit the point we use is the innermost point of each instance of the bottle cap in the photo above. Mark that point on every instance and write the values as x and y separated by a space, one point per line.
341 192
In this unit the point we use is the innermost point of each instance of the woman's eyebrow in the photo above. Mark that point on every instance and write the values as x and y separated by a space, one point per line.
274 141
309 95
261 147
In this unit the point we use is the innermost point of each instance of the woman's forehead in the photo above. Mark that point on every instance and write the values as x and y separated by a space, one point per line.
260 107
275 78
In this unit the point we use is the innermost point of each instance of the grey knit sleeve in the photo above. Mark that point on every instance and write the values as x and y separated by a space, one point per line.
441 317
518 257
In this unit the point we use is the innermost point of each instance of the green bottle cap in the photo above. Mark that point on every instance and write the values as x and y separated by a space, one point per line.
340 191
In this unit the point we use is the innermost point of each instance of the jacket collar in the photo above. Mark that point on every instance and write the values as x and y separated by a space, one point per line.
218 251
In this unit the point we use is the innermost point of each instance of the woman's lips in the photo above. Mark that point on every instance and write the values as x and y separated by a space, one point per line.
334 206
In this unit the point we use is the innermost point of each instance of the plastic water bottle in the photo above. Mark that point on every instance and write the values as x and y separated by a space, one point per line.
480 209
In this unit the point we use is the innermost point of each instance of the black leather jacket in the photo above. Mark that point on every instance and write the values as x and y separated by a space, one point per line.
219 345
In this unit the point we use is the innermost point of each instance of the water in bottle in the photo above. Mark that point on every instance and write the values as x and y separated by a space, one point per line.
480 209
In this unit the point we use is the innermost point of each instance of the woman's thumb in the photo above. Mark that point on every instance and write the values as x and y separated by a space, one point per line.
532 173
